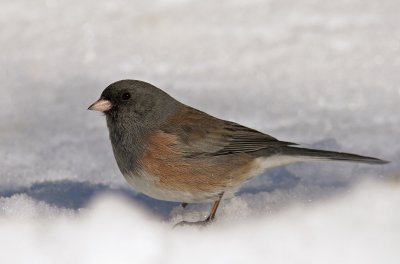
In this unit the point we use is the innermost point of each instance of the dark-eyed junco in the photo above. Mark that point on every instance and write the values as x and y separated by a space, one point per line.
173 152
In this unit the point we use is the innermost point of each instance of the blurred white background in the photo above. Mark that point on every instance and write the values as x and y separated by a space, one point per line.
321 73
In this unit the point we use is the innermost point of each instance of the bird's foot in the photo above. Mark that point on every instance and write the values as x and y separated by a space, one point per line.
203 223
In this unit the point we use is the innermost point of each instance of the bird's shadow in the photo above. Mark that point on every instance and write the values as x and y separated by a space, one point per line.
75 195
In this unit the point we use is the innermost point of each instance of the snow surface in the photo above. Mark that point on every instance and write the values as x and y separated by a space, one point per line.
321 73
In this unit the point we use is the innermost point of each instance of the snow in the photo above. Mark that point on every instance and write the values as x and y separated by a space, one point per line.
320 73
361 227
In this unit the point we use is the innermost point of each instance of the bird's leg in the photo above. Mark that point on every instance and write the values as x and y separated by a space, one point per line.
209 219
184 205
214 208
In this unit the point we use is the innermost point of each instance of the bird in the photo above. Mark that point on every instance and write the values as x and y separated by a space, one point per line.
170 151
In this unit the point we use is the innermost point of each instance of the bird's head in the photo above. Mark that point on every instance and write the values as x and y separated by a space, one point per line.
135 101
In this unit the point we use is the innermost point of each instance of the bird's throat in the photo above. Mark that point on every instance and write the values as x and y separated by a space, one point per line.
127 143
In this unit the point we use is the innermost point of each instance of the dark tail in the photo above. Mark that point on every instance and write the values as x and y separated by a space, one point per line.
330 155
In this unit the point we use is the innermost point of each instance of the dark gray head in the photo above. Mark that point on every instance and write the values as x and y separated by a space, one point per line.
136 102
133 108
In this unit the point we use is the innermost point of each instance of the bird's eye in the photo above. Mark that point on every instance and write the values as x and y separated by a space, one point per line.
126 96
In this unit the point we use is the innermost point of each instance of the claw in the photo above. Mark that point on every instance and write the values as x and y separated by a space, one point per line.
199 223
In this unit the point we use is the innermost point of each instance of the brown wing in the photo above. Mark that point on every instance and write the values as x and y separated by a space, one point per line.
203 134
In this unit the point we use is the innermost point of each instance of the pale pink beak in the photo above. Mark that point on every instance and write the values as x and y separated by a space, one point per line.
101 105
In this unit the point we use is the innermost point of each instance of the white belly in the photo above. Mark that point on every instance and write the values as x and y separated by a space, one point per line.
147 184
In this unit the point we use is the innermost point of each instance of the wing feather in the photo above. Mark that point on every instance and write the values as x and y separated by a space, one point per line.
202 134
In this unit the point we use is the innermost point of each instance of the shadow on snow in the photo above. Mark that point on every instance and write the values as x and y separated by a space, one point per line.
75 195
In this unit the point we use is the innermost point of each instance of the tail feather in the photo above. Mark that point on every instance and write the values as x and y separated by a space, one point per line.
330 155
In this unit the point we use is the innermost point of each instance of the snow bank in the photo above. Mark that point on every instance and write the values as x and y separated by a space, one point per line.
359 227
